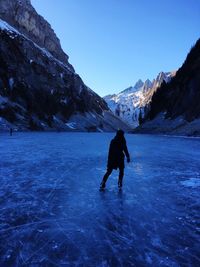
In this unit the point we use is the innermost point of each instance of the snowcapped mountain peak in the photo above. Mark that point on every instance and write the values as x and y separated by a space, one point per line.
131 103
163 76
148 83
138 84
132 89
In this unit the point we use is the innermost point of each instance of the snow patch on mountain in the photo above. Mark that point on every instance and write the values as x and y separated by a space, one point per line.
5 26
14 32
131 103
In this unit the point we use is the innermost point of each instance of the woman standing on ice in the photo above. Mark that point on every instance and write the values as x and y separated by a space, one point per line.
116 158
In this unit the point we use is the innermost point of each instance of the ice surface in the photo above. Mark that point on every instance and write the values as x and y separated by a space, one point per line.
192 182
52 213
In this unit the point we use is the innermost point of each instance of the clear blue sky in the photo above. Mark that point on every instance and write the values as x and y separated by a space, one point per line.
113 43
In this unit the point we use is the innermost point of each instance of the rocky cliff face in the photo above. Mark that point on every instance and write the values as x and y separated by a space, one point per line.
175 107
39 90
22 15
132 104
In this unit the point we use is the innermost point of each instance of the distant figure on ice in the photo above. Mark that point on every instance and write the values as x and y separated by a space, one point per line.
11 131
116 158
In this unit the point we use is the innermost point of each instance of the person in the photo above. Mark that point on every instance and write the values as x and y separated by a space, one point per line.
11 131
116 156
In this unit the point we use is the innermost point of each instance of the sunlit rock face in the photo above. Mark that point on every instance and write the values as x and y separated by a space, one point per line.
22 15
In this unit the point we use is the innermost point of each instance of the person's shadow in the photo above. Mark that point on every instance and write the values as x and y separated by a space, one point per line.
113 214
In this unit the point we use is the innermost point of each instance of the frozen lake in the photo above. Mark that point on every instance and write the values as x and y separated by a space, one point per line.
52 213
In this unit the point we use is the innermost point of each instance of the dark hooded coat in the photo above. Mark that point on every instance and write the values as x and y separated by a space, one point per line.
117 151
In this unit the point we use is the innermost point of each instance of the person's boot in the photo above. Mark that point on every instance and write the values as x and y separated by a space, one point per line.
102 186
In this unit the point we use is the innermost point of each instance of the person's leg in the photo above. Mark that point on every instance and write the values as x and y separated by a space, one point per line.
121 175
105 178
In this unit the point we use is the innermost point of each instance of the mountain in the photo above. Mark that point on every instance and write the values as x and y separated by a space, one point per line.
39 88
175 106
132 103
21 15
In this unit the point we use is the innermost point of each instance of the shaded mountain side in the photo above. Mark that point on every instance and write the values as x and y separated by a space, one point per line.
39 92
182 95
177 101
